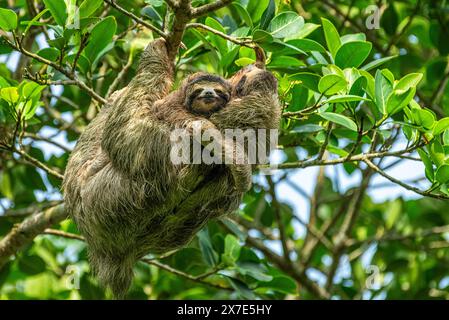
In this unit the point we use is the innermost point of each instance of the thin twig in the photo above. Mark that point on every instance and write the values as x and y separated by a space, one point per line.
113 4
61 69
241 42
399 182
184 275
205 9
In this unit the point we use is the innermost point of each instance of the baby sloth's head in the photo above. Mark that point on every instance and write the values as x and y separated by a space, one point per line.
206 94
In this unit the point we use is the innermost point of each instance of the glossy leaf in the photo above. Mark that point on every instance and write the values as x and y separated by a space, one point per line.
286 24
441 125
398 99
339 119
309 80
383 88
58 10
8 19
332 37
100 38
409 81
352 54
442 173
331 84
88 7
377 63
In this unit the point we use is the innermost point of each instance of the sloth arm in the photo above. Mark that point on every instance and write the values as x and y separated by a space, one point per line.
241 172
134 141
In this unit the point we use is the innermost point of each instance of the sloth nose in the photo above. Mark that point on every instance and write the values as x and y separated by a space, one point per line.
208 93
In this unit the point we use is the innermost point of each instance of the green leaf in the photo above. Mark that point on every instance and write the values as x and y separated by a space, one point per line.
6 186
392 213
309 80
376 63
281 48
256 8
88 7
31 89
344 98
231 225
332 37
441 125
241 288
286 24
254 270
49 53
10 94
231 250
217 41
34 20
241 62
339 119
267 15
331 84
383 88
423 118
282 284
153 15
427 164
389 75
436 152
261 36
32 264
446 138
300 96
207 250
389 20
8 19
284 62
243 14
58 10
398 99
307 45
305 31
100 38
442 173
409 81
358 89
353 37
352 54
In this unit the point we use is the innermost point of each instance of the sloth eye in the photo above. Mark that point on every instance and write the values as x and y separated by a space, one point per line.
197 92
218 91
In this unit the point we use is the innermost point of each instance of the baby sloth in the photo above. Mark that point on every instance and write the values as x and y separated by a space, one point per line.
207 94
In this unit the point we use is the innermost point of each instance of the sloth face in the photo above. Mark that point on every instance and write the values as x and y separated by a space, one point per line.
208 95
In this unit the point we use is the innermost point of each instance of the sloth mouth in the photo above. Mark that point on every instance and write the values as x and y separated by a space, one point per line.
209 99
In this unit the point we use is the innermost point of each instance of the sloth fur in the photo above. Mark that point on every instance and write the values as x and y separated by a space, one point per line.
120 187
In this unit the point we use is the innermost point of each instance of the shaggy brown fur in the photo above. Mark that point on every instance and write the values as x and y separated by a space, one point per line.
124 193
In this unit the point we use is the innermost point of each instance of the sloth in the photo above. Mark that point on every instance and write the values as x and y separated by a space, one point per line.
121 188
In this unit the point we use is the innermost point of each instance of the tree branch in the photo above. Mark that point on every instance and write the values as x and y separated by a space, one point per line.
241 42
200 11
113 4
26 231
177 272
399 182
61 69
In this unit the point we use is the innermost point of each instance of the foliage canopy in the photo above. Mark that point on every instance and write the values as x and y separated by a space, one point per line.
357 97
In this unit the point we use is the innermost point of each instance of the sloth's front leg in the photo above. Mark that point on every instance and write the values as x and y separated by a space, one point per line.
232 154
